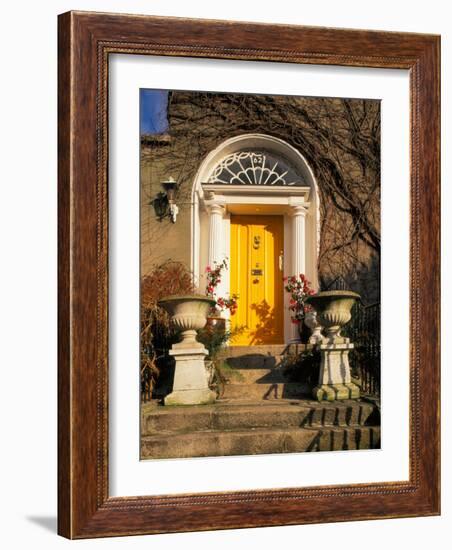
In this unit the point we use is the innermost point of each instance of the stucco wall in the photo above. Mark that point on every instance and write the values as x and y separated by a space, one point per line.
199 122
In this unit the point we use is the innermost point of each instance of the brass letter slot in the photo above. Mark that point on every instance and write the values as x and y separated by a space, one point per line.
256 272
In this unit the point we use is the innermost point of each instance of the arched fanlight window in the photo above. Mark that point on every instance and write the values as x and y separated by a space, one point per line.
254 168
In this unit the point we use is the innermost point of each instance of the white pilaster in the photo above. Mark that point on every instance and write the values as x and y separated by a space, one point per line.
298 265
216 212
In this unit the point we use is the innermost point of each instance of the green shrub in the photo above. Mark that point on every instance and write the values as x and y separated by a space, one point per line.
215 338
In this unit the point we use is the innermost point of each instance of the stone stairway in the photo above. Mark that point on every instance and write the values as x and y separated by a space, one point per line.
258 413
255 373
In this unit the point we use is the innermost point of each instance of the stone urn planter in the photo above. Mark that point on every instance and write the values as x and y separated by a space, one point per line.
191 385
333 310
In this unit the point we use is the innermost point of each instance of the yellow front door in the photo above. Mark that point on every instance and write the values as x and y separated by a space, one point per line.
257 244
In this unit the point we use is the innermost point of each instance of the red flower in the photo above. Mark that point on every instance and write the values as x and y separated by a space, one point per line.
299 288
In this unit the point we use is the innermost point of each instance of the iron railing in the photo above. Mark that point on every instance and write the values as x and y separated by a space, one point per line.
364 331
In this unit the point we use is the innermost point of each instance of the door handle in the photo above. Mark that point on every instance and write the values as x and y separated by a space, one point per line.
281 261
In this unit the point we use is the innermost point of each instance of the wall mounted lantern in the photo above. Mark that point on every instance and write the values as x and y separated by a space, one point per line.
164 203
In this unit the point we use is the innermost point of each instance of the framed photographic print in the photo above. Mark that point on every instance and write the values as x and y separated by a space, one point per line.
248 275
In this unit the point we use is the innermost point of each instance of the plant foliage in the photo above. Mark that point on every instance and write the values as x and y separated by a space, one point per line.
167 279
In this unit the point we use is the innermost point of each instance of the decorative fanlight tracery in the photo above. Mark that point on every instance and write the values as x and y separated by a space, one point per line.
254 168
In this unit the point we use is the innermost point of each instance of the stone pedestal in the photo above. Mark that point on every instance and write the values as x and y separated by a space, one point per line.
333 309
191 382
334 379
190 386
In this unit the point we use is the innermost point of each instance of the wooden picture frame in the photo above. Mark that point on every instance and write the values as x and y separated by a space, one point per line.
85 508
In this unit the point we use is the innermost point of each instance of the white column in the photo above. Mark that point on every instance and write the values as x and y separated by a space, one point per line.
196 241
215 233
298 263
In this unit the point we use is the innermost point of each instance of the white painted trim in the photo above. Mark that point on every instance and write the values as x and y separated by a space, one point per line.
282 198
271 198
278 190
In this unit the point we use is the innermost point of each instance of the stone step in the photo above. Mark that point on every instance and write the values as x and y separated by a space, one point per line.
267 391
253 376
259 441
268 350
252 362
258 357
267 414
